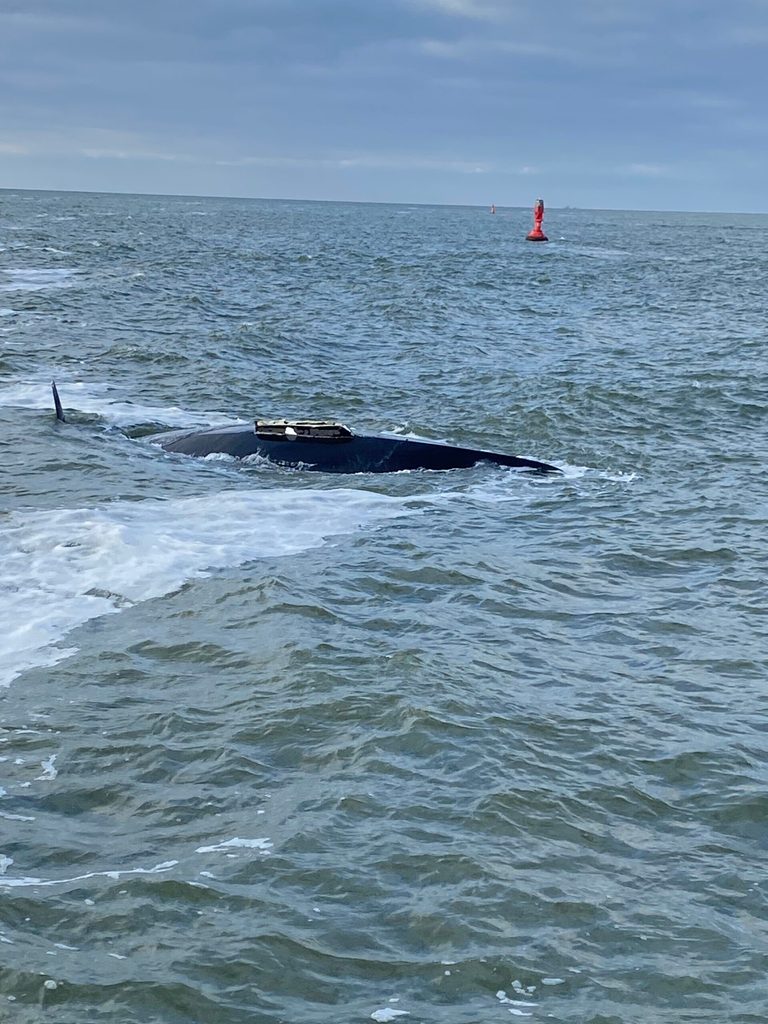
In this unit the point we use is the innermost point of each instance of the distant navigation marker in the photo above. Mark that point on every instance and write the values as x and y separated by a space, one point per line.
493 207
537 235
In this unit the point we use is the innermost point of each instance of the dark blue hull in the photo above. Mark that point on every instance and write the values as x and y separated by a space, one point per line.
360 453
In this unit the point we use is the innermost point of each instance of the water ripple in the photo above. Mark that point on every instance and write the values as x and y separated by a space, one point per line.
443 747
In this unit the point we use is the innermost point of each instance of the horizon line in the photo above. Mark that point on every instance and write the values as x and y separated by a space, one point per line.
371 202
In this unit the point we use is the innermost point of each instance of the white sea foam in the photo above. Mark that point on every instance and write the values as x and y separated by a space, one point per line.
262 845
502 996
614 476
619 477
105 401
49 772
387 1014
35 280
21 883
66 566
5 311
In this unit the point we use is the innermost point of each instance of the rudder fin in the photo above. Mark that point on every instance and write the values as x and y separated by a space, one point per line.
57 403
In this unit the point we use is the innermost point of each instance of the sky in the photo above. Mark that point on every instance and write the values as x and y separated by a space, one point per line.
605 104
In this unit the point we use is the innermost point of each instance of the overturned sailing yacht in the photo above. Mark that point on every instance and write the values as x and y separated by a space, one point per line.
328 447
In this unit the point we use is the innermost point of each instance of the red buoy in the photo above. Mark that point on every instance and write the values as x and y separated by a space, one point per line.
537 235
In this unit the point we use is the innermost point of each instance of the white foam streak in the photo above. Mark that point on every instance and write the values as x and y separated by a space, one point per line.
49 771
64 567
262 845
102 400
20 883
35 280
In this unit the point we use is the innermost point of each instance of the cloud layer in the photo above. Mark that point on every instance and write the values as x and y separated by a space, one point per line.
597 103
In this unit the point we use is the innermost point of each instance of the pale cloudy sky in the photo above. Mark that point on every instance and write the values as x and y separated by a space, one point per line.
630 104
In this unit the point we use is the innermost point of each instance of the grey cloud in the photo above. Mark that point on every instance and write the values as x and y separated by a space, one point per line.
352 89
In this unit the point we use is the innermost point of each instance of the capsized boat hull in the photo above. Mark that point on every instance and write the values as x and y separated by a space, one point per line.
359 453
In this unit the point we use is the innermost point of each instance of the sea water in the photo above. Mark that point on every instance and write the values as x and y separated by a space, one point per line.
446 747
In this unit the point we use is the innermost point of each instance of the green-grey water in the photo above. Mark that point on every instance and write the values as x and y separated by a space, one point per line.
440 747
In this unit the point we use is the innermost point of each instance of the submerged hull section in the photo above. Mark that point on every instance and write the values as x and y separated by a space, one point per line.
359 453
